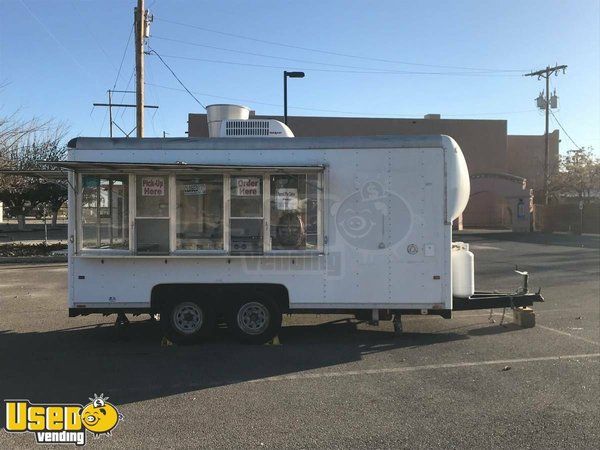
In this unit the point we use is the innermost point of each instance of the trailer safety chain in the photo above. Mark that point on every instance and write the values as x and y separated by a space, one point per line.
503 314
491 316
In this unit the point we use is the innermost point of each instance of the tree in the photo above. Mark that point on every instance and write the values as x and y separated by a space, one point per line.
579 175
51 196
23 145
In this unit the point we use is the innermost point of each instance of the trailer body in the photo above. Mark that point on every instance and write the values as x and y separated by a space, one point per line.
377 212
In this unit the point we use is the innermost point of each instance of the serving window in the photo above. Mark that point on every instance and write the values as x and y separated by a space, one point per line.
230 211
246 214
105 212
152 214
294 212
199 219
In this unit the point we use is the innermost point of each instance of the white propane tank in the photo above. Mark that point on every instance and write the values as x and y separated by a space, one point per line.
463 270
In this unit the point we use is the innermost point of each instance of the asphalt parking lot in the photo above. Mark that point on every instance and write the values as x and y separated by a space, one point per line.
333 383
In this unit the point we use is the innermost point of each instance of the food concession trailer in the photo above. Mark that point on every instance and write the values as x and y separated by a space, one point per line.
246 227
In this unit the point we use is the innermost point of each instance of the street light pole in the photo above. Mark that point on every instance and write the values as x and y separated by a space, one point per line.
285 97
287 74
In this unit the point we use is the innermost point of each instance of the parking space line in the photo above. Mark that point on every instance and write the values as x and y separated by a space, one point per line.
395 370
564 333
486 314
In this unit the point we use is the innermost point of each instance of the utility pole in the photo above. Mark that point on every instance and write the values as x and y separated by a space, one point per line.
142 24
110 105
545 73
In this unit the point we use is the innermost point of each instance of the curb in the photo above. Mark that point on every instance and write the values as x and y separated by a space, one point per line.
32 259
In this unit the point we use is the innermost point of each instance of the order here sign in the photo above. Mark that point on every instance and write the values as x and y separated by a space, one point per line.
247 187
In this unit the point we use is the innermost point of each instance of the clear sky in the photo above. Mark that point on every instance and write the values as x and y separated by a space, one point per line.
60 56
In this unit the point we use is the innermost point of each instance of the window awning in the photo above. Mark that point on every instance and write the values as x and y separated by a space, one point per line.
181 167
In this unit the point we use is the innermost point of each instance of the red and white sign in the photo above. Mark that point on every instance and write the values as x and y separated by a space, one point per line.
247 187
153 186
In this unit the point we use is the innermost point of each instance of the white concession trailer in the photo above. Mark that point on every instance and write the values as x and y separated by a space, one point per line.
245 227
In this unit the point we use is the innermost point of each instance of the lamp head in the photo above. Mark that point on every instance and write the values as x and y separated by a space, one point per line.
294 74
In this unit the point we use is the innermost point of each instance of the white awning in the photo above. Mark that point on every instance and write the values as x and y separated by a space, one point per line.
181 167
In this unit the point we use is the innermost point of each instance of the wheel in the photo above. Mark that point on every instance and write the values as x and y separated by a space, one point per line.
187 322
255 321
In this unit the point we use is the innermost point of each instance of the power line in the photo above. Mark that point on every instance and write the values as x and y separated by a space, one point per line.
565 131
56 40
117 80
154 94
176 77
123 58
124 93
335 53
283 58
92 35
374 72
404 115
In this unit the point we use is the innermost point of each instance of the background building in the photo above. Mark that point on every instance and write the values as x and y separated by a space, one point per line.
504 169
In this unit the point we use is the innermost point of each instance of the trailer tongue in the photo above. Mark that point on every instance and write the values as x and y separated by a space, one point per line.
492 300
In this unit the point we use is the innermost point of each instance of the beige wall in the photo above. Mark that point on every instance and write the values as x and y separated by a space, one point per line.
485 143
526 157
482 141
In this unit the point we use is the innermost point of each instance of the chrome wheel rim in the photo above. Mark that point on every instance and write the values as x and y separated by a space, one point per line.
187 317
253 318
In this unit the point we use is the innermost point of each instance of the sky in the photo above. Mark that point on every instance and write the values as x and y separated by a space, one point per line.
461 59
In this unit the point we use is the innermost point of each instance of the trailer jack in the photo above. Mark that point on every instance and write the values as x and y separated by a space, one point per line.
122 320
397 324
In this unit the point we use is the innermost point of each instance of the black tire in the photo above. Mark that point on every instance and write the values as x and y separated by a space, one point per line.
255 320
187 321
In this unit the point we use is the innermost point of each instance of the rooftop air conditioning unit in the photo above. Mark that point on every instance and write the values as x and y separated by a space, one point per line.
254 128
229 121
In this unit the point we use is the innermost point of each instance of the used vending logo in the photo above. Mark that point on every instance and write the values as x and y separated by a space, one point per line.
372 217
62 423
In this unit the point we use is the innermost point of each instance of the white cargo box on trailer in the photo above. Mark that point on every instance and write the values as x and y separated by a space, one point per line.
343 224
